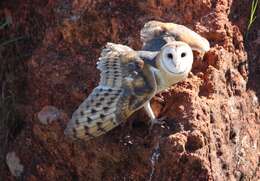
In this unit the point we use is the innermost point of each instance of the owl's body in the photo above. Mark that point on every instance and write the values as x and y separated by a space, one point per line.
129 80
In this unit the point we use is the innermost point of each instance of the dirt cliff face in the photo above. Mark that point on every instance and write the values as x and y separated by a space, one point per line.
213 117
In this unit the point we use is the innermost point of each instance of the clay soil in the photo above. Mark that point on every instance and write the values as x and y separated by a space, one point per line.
48 55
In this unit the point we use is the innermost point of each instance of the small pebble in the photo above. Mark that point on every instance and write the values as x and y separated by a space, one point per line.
14 164
48 114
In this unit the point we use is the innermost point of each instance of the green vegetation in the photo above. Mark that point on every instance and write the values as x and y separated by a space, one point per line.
6 42
9 67
6 23
252 17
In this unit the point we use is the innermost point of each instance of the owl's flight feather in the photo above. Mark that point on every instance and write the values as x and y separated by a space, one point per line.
122 89
156 34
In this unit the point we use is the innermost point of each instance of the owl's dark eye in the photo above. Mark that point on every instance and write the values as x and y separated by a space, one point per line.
169 55
183 54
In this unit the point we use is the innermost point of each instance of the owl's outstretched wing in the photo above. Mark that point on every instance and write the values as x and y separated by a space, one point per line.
126 83
156 34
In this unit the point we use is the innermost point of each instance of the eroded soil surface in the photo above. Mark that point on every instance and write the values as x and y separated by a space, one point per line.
48 55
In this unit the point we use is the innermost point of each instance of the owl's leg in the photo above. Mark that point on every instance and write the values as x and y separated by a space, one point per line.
149 110
153 119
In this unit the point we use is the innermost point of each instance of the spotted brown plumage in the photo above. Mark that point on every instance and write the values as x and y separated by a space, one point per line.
117 95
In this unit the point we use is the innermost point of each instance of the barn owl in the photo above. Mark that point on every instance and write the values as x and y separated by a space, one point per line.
129 79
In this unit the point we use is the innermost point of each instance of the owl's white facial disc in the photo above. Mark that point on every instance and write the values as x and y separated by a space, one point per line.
177 58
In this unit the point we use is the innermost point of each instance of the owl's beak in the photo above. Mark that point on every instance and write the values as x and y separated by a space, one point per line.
178 64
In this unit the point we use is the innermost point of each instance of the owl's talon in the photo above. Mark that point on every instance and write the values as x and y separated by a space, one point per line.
159 121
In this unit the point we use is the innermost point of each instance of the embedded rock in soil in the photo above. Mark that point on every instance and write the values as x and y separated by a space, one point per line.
48 114
14 165
212 126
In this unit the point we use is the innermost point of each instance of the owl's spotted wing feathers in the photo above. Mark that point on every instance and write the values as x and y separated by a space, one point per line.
96 115
110 65
122 89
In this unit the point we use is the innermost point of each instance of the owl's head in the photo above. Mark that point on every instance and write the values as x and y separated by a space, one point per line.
176 58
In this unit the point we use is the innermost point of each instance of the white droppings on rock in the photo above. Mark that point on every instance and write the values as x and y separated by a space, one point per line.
48 114
14 164
232 104
255 100
154 159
